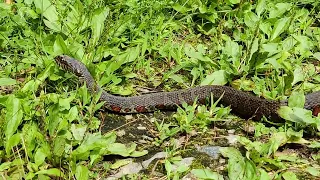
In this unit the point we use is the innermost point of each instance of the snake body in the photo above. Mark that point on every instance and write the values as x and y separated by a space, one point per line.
242 103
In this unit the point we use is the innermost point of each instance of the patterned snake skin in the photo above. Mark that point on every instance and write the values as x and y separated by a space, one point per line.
243 104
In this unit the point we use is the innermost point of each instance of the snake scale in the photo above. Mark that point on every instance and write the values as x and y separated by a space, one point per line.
242 103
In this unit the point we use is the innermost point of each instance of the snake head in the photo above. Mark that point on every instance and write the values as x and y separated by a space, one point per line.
71 65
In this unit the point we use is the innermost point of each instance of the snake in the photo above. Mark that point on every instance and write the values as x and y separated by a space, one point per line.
242 103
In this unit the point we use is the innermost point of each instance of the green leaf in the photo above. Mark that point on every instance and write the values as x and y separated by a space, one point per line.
7 82
298 75
73 114
120 163
313 171
78 131
278 139
168 167
138 153
52 25
264 175
206 174
40 156
42 5
82 172
59 46
51 172
216 78
5 165
92 141
120 149
297 99
317 55
199 55
279 10
179 8
265 27
11 142
97 22
59 145
177 78
279 27
234 1
64 104
251 19
289 175
13 116
261 5
238 166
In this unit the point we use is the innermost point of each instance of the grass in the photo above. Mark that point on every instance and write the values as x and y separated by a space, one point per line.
52 127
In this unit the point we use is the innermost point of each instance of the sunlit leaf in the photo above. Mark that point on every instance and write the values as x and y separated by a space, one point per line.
97 23
51 172
82 172
13 116
279 27
7 82
216 78
206 174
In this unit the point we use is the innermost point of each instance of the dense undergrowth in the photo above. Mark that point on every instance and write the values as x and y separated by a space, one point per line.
49 123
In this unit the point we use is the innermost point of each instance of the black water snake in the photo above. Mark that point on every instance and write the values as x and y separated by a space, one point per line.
242 103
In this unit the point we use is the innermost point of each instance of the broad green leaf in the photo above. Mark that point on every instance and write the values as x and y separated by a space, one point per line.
59 145
120 163
179 8
317 55
289 175
51 172
82 172
97 22
238 166
59 46
313 171
7 82
234 1
265 27
120 149
13 116
73 114
92 141
138 153
177 78
279 27
305 43
297 99
54 25
5 165
40 156
272 48
264 175
206 174
251 19
192 53
216 78
278 139
232 49
42 5
279 10
78 131
168 167
261 5
288 44
254 47
314 144
65 103
12 141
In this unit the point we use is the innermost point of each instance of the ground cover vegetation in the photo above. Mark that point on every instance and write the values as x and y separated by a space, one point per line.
52 127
